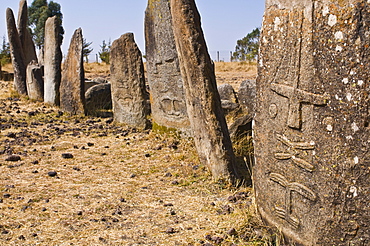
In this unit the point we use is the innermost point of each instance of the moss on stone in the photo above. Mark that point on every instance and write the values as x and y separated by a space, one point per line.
165 130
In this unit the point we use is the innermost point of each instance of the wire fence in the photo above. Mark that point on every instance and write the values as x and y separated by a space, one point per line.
217 56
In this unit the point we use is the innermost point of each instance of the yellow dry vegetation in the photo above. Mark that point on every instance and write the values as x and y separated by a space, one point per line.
121 186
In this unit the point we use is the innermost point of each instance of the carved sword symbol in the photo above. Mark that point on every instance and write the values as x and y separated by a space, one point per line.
296 98
286 212
296 146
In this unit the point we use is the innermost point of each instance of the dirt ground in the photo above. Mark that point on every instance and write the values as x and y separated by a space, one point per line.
86 181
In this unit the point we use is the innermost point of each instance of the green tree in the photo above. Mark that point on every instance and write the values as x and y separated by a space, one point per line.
247 48
39 12
5 52
104 53
86 49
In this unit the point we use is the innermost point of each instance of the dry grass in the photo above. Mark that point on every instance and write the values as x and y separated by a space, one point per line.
7 68
226 72
246 67
234 73
122 187
97 69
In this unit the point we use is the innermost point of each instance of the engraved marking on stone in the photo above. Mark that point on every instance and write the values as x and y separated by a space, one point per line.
286 212
296 98
273 110
123 94
292 73
171 106
296 145
293 155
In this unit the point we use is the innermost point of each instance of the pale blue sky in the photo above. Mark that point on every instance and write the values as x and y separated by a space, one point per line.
223 21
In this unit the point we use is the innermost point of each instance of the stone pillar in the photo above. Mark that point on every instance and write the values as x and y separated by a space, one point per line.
52 61
129 96
167 94
16 52
28 46
207 120
35 83
72 92
311 175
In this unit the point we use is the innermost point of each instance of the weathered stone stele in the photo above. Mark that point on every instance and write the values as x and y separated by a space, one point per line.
311 175
28 46
52 61
16 52
35 83
167 94
247 97
206 117
129 96
98 97
72 93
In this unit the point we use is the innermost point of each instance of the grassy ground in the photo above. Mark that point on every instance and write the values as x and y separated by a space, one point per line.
226 72
87 181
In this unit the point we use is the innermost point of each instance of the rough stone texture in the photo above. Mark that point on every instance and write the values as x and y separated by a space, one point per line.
207 120
28 45
89 84
98 97
241 127
227 93
247 97
167 94
41 54
312 144
129 96
52 60
35 82
229 101
16 52
72 92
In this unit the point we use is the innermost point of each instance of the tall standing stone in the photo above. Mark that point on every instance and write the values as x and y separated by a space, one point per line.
28 45
207 120
129 96
167 94
35 82
311 175
52 61
16 51
72 92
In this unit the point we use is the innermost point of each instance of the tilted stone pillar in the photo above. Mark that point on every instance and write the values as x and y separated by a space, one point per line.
16 51
129 96
167 94
72 92
28 45
207 120
52 62
311 175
